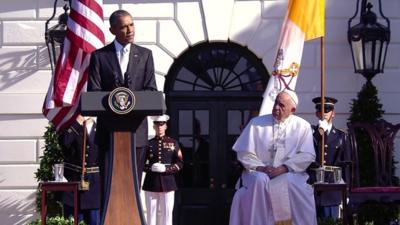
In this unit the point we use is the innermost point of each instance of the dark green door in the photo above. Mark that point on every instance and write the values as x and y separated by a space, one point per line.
211 90
206 131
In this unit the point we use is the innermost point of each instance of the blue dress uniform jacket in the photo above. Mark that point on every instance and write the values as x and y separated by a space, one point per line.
162 150
336 152
72 141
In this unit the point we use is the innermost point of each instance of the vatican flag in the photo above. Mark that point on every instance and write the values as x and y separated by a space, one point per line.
305 20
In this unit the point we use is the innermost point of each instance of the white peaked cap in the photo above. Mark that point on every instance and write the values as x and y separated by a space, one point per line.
293 95
162 118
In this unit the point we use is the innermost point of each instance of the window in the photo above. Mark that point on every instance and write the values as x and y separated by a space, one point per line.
217 67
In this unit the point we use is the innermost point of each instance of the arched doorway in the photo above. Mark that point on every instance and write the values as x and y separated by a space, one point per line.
212 90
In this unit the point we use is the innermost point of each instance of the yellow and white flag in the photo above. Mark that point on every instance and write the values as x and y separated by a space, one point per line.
305 20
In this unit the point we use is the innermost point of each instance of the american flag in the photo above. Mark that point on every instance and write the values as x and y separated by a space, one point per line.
84 34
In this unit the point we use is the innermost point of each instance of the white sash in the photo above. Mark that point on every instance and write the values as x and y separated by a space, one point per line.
280 200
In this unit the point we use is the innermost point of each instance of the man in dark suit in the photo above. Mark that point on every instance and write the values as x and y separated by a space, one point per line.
72 142
122 64
336 153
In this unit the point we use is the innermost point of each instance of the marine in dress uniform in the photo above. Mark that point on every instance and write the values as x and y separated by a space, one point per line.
336 153
164 158
72 142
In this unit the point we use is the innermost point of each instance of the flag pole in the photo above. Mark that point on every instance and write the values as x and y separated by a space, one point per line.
322 99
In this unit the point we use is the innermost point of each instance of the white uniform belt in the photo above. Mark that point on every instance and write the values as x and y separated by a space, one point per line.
93 169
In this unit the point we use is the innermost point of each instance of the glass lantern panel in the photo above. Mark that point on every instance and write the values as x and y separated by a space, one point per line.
358 54
383 55
378 51
368 47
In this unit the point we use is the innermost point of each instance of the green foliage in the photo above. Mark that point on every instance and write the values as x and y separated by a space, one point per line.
52 154
378 213
57 220
366 108
329 221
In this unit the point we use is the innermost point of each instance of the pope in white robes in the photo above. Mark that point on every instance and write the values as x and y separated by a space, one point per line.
275 151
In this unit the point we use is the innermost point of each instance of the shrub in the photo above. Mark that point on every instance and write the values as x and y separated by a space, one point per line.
52 154
57 220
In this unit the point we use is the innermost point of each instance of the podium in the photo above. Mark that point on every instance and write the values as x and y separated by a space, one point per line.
121 112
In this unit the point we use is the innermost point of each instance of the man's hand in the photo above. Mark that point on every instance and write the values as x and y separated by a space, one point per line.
272 171
158 167
323 124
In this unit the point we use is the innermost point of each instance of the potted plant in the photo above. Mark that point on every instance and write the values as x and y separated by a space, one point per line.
52 154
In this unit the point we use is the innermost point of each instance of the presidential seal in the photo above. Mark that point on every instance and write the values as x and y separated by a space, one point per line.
121 100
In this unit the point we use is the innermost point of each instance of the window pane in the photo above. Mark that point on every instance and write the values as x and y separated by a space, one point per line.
234 122
185 122
219 67
202 122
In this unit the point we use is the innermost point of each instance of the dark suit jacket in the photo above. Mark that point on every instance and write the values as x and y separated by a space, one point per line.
105 75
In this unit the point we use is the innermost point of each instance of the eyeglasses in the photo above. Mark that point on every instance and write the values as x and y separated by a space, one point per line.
159 123
327 108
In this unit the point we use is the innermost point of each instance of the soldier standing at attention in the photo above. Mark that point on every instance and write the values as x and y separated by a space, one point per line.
336 153
78 146
164 158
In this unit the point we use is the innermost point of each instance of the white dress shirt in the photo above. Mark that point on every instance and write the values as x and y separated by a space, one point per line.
122 55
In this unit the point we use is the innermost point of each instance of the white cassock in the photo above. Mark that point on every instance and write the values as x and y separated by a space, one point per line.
286 199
